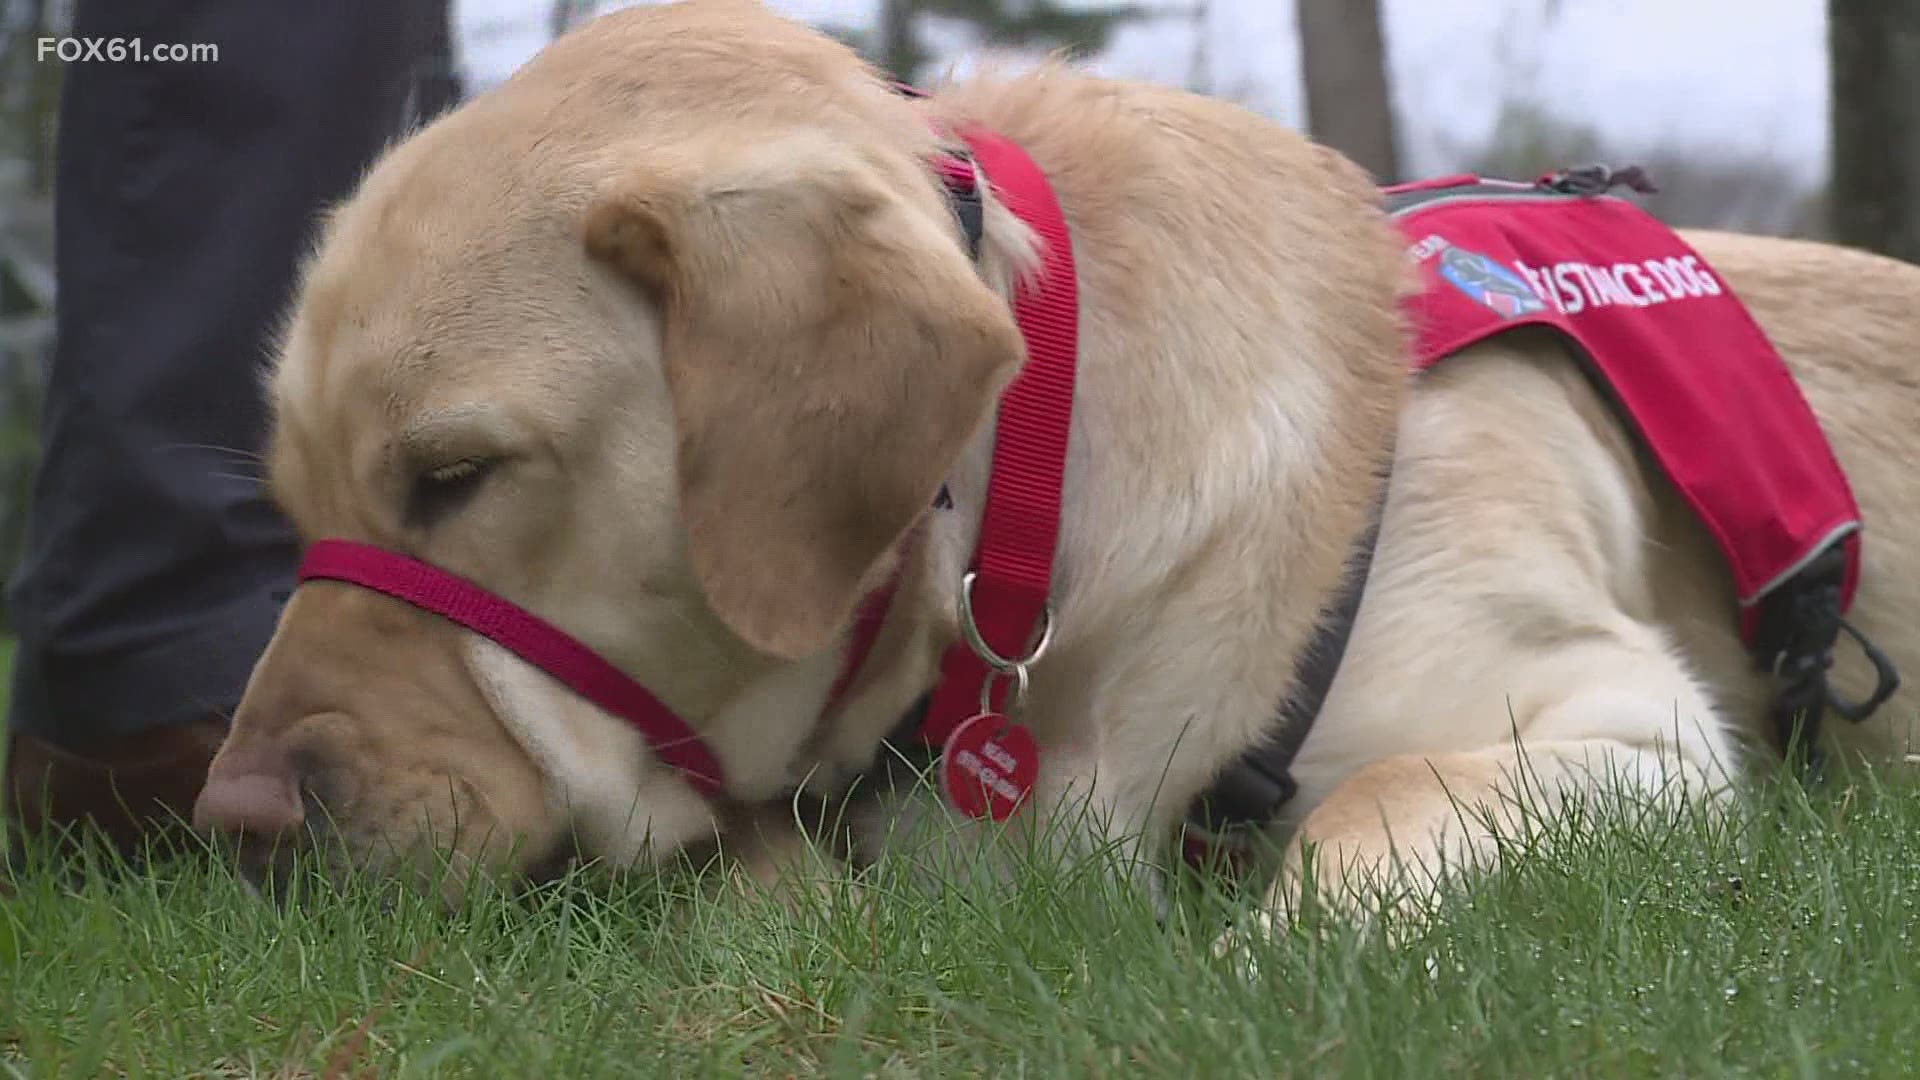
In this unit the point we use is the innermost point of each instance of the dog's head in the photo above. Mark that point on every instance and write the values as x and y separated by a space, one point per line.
668 340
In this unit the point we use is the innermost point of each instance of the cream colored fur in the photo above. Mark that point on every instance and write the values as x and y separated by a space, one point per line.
634 274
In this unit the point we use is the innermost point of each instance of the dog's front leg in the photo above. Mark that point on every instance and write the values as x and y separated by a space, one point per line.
1081 808
1166 707
1145 697
1073 813
1114 784
1635 732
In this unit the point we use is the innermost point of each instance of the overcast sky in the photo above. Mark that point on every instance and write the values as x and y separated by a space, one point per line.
1741 75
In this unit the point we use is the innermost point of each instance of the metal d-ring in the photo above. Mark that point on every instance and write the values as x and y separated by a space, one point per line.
984 651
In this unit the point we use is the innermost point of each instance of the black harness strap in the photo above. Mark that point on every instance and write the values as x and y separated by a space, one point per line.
967 208
1251 792
962 195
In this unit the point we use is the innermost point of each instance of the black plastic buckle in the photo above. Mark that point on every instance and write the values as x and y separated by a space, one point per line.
1800 624
1598 180
967 207
1886 679
1222 829
965 200
1246 794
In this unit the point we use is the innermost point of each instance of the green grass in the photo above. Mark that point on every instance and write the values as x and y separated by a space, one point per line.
1783 946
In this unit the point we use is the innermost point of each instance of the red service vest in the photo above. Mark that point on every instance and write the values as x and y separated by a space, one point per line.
1682 359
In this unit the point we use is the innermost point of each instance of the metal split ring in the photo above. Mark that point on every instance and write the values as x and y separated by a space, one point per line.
1015 700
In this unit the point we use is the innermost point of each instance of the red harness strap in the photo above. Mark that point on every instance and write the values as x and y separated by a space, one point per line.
527 636
1006 593
558 653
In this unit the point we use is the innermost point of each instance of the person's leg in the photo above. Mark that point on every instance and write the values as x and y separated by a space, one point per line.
186 194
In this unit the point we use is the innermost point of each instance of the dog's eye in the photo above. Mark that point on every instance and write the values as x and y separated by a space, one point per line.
439 492
464 469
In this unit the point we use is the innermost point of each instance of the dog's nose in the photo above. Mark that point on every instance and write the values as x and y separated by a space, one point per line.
260 803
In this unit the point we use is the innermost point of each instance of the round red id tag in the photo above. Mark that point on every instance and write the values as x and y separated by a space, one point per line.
988 766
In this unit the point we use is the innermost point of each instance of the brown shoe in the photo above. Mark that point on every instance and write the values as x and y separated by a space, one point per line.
130 788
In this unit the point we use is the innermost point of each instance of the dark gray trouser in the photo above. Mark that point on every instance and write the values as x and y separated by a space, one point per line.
186 194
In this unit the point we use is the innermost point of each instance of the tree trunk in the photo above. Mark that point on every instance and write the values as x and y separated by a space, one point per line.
1200 63
899 45
31 89
440 86
1343 58
564 15
1874 52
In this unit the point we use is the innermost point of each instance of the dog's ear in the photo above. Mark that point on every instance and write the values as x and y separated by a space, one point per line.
829 352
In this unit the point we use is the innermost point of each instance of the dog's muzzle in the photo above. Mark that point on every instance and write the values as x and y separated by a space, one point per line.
527 636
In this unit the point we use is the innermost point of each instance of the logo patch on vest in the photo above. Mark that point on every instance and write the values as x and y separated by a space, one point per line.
1487 282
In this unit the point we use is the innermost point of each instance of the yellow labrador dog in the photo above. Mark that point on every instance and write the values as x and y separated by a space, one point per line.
674 340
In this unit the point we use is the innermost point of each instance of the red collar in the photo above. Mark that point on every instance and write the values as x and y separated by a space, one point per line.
988 762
